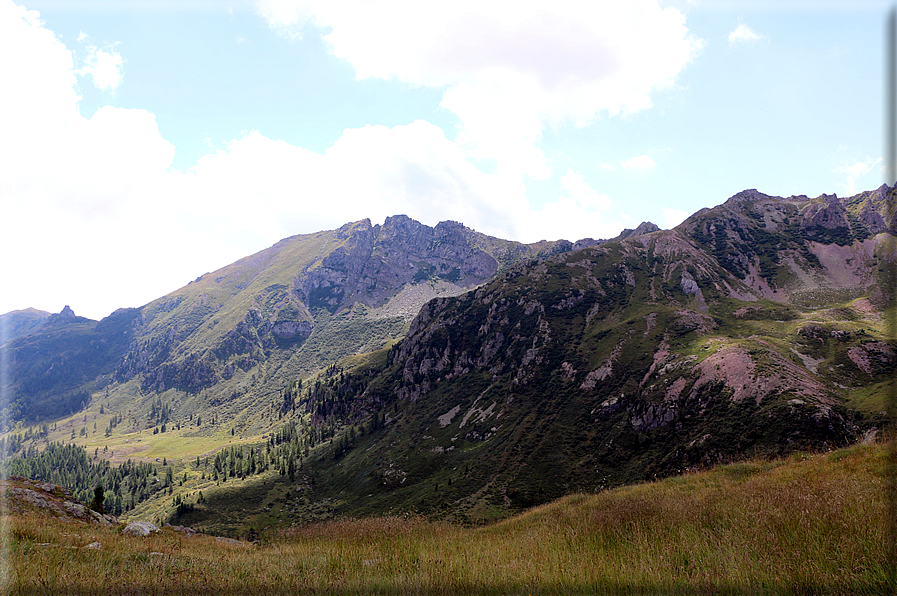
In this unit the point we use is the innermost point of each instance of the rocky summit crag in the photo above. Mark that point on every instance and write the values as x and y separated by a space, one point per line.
464 376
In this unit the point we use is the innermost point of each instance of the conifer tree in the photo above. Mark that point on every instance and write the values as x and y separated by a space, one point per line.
97 503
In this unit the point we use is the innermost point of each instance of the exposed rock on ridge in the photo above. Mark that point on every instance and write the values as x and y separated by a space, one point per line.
276 294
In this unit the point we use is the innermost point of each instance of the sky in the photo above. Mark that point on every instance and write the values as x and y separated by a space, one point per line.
145 143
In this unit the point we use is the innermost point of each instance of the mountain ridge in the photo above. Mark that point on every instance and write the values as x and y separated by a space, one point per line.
463 376
225 323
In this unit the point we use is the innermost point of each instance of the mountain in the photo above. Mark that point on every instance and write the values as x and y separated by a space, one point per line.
55 368
403 367
246 329
752 329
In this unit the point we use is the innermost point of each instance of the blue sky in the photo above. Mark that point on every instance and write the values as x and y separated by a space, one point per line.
149 142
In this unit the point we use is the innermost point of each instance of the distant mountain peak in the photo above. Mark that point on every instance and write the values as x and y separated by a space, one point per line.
750 194
64 317
646 227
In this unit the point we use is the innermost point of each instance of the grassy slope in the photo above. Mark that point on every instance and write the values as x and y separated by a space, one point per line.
240 283
805 524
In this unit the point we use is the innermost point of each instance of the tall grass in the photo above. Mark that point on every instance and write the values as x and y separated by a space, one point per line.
808 524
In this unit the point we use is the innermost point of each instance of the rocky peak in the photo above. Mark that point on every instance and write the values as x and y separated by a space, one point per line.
448 228
66 315
829 214
353 229
646 227
585 243
750 194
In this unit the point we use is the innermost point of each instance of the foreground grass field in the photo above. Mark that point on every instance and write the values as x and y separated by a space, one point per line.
807 524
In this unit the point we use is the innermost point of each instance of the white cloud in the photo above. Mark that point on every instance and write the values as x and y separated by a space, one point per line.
508 70
574 216
642 162
583 194
98 219
411 169
103 65
77 192
855 172
674 217
743 34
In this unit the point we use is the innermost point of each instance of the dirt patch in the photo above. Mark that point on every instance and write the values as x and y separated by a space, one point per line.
122 453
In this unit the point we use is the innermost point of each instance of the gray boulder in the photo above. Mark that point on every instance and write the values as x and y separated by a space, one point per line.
140 528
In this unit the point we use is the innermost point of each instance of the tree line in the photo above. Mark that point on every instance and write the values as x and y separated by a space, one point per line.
68 465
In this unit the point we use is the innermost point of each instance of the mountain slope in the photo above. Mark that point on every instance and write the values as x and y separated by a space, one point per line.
621 362
54 370
241 332
753 328
19 323
361 281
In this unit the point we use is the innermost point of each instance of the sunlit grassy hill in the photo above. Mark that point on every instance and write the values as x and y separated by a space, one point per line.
810 523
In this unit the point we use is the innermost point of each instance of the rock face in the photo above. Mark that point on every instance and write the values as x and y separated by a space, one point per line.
22 495
787 248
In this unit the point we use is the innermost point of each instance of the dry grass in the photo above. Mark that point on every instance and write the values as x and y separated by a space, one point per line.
810 524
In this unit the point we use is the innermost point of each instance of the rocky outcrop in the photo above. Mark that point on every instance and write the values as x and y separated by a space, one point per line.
22 496
785 248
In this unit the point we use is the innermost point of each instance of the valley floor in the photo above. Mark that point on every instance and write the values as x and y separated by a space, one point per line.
805 524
